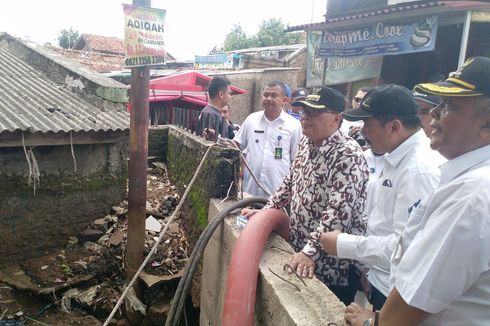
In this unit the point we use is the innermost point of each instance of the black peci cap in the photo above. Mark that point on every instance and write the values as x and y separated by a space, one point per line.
384 100
326 99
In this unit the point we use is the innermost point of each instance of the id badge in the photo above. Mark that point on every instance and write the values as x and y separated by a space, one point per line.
278 153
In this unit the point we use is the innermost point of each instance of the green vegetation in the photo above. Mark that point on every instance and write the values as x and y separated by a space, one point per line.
271 32
67 38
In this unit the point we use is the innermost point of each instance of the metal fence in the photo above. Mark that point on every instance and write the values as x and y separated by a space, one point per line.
190 119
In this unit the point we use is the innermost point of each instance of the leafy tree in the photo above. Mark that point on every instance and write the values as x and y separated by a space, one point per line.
271 32
237 39
67 38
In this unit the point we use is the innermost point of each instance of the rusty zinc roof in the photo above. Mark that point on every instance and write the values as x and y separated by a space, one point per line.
30 102
421 6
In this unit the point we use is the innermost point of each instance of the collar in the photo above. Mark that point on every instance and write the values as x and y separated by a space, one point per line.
326 143
459 165
281 116
399 153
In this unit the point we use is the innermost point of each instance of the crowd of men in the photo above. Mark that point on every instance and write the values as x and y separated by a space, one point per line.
390 197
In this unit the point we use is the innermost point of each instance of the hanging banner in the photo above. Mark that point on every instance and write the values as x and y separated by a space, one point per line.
143 36
314 63
218 61
381 39
344 70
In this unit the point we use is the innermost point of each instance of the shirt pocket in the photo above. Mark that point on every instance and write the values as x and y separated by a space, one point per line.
386 198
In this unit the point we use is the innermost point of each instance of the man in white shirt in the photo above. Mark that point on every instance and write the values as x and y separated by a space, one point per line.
441 267
269 139
391 126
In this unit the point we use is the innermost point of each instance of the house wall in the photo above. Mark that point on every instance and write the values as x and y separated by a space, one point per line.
253 81
65 201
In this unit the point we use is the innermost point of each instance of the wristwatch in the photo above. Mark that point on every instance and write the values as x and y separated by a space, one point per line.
368 322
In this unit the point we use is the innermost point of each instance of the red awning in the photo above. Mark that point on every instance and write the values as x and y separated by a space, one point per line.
188 81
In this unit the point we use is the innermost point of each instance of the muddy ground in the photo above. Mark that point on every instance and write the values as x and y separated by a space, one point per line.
80 283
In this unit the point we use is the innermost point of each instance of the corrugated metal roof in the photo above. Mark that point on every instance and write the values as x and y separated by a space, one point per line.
392 9
30 102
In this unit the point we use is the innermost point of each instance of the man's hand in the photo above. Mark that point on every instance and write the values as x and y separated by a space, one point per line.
209 134
304 265
366 286
329 242
249 212
355 315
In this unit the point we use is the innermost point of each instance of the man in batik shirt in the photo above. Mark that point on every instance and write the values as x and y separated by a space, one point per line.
326 190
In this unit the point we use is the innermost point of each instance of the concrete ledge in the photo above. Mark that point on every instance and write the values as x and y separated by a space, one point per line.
278 302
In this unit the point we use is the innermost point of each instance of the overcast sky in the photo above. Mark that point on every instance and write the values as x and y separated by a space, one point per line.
192 26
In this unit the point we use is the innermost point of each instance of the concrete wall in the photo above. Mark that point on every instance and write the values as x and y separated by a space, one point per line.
253 81
278 303
65 201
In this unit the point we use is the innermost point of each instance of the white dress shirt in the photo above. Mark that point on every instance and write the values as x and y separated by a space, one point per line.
258 138
375 164
445 270
409 175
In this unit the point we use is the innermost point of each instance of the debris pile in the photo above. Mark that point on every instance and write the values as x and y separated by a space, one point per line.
88 272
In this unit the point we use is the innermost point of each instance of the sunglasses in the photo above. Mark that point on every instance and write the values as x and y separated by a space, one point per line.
357 99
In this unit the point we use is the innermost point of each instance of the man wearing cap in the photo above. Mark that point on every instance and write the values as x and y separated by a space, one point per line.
326 190
391 126
441 268
269 140
298 94
425 103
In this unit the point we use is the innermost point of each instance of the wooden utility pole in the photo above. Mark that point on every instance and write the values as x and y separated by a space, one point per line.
138 162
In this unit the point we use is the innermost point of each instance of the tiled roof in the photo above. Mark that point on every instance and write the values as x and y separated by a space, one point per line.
393 9
30 102
100 43
100 62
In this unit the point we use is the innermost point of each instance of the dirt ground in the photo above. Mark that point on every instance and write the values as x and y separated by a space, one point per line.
80 283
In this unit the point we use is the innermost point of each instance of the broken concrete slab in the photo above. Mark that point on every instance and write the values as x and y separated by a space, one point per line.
15 276
152 280
116 239
152 224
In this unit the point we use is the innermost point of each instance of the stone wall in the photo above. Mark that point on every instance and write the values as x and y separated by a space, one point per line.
219 171
278 302
65 201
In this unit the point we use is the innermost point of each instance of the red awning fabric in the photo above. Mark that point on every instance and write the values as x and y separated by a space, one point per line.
190 87
191 81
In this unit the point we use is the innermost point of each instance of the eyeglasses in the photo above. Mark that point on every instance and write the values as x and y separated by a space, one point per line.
311 114
357 99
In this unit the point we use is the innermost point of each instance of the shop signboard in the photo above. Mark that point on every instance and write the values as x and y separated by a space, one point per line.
381 38
143 36
218 61
314 63
344 70
337 70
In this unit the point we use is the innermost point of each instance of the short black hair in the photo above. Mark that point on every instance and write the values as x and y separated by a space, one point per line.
409 121
216 85
275 83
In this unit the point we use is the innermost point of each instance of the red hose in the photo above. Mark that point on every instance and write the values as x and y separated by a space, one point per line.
241 284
